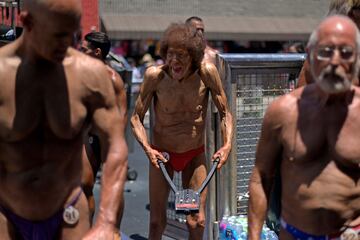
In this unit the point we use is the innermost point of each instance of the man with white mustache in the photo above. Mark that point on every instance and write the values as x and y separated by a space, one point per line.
313 134
350 8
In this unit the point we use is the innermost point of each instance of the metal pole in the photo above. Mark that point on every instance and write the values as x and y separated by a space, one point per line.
223 190
233 153
211 190
216 234
226 188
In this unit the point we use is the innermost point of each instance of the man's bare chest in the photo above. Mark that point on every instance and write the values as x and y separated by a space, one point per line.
323 136
189 96
51 103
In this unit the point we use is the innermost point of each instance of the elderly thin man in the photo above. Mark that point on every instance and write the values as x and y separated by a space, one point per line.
313 135
180 89
49 95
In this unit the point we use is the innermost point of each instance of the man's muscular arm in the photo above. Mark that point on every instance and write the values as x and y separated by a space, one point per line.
211 78
121 102
109 124
267 154
151 77
120 94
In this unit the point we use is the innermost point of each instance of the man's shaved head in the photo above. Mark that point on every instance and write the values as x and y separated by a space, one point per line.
59 6
50 26
333 49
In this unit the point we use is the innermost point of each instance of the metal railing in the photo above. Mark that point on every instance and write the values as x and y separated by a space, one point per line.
251 82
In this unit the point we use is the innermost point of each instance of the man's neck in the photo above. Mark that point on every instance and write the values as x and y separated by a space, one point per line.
27 53
101 59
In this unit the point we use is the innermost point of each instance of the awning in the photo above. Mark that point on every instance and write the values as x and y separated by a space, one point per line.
217 28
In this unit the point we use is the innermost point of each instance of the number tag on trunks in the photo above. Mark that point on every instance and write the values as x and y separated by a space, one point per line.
350 234
71 215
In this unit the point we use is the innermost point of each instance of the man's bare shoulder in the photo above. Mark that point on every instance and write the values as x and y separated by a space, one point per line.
207 73
8 50
283 107
153 76
207 68
211 51
84 61
155 73
210 55
115 75
93 68
116 78
8 58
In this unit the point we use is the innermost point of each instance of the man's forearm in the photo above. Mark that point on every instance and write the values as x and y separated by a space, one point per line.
139 132
112 187
227 129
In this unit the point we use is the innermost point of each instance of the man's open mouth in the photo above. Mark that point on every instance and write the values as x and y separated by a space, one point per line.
177 69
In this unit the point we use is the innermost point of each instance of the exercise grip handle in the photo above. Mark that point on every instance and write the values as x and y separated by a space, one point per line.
209 176
166 175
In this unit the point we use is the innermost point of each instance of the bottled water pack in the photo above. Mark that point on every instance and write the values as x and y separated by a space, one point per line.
236 228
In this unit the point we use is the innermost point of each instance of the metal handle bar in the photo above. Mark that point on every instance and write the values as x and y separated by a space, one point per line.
209 176
203 185
166 175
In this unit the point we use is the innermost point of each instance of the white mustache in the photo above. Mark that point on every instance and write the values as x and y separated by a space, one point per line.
326 77
329 70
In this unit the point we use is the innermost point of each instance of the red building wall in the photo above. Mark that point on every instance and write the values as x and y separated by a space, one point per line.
90 19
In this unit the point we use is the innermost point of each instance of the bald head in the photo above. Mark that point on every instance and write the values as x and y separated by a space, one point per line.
50 26
333 51
334 25
68 7
338 25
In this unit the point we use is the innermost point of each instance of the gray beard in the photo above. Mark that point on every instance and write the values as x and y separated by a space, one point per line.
333 82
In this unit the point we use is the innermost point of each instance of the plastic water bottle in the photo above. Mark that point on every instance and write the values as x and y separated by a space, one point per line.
223 225
243 236
271 235
263 235
236 228
230 233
